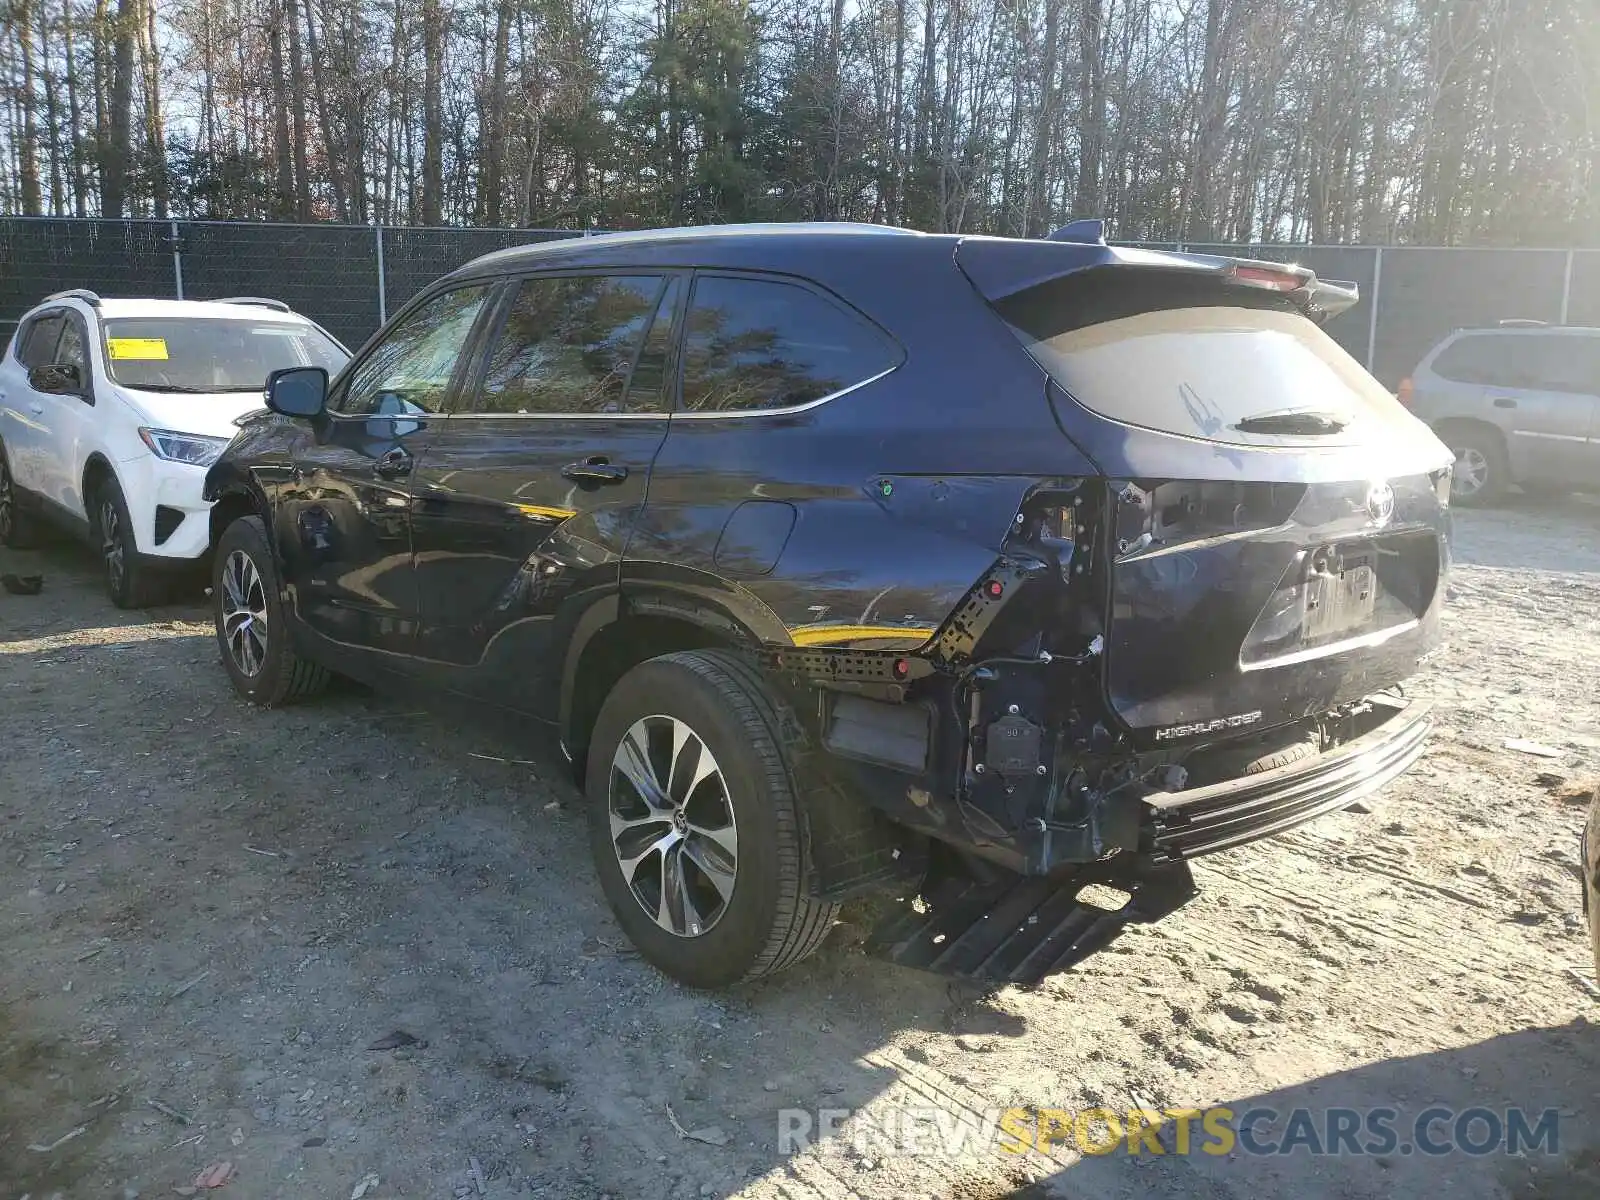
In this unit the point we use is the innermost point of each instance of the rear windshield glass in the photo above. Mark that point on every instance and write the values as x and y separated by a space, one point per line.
1191 357
212 354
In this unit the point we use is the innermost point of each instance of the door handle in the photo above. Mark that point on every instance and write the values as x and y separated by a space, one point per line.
596 470
394 464
1504 402
36 408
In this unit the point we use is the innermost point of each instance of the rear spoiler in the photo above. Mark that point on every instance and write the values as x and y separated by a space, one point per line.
1001 268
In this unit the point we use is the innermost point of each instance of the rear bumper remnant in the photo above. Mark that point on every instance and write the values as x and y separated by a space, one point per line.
1207 819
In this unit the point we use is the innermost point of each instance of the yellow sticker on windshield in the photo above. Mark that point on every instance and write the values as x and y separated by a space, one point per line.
138 349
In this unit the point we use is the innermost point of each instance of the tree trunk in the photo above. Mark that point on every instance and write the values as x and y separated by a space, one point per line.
297 115
1212 112
1091 108
432 113
80 187
117 157
22 23
494 150
330 146
52 114
154 124
283 191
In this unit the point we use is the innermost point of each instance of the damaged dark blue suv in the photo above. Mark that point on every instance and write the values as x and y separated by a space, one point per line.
844 559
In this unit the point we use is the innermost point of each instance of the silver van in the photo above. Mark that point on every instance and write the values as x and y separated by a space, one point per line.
1519 404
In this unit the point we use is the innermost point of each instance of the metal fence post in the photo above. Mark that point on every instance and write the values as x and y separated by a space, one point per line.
383 300
1372 317
1566 288
177 260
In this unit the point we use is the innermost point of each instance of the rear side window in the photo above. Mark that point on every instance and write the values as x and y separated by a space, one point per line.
1548 362
568 344
37 346
752 344
1185 355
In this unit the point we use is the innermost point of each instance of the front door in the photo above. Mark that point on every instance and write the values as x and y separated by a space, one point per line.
343 519
524 500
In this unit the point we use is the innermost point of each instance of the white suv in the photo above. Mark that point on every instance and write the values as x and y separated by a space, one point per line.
111 411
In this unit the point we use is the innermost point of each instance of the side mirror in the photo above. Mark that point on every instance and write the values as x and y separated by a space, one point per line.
57 379
298 391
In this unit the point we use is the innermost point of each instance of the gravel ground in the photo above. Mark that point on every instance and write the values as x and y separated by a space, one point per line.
208 914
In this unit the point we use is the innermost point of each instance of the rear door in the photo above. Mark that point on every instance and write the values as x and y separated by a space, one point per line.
70 420
24 413
526 496
1547 382
1583 378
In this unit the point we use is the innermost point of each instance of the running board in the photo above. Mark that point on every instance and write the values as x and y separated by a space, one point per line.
1022 930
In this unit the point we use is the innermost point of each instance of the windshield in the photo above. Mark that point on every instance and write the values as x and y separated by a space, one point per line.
166 354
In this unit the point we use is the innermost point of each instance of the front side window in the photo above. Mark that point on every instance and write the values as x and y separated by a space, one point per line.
568 344
752 344
37 345
211 354
1472 360
410 370
71 350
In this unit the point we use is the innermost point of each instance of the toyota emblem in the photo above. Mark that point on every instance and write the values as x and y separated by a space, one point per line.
1380 503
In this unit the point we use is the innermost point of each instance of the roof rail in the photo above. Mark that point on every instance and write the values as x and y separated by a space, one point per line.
84 294
1089 231
257 301
1522 323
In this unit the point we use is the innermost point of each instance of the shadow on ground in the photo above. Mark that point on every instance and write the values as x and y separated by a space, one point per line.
1536 1070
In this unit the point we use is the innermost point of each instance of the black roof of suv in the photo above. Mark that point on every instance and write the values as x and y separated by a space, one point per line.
843 558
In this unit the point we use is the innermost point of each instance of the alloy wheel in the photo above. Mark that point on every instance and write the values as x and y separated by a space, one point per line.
1471 473
111 545
672 825
244 613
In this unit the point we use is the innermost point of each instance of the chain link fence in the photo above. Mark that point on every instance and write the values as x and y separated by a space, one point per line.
350 277
347 278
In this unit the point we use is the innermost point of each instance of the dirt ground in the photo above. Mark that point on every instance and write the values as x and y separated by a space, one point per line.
217 911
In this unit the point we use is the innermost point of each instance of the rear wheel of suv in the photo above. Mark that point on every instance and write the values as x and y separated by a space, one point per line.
1481 473
129 580
262 664
16 531
694 822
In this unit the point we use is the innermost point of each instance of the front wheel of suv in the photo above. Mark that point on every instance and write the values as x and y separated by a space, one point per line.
130 582
694 822
262 664
1481 473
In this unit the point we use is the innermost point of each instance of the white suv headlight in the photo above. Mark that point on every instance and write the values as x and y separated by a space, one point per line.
192 448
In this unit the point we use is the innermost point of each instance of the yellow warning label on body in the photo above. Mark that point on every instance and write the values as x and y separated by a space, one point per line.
138 349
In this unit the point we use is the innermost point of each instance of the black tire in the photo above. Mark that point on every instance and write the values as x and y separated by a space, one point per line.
130 581
281 676
1482 473
768 922
16 526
